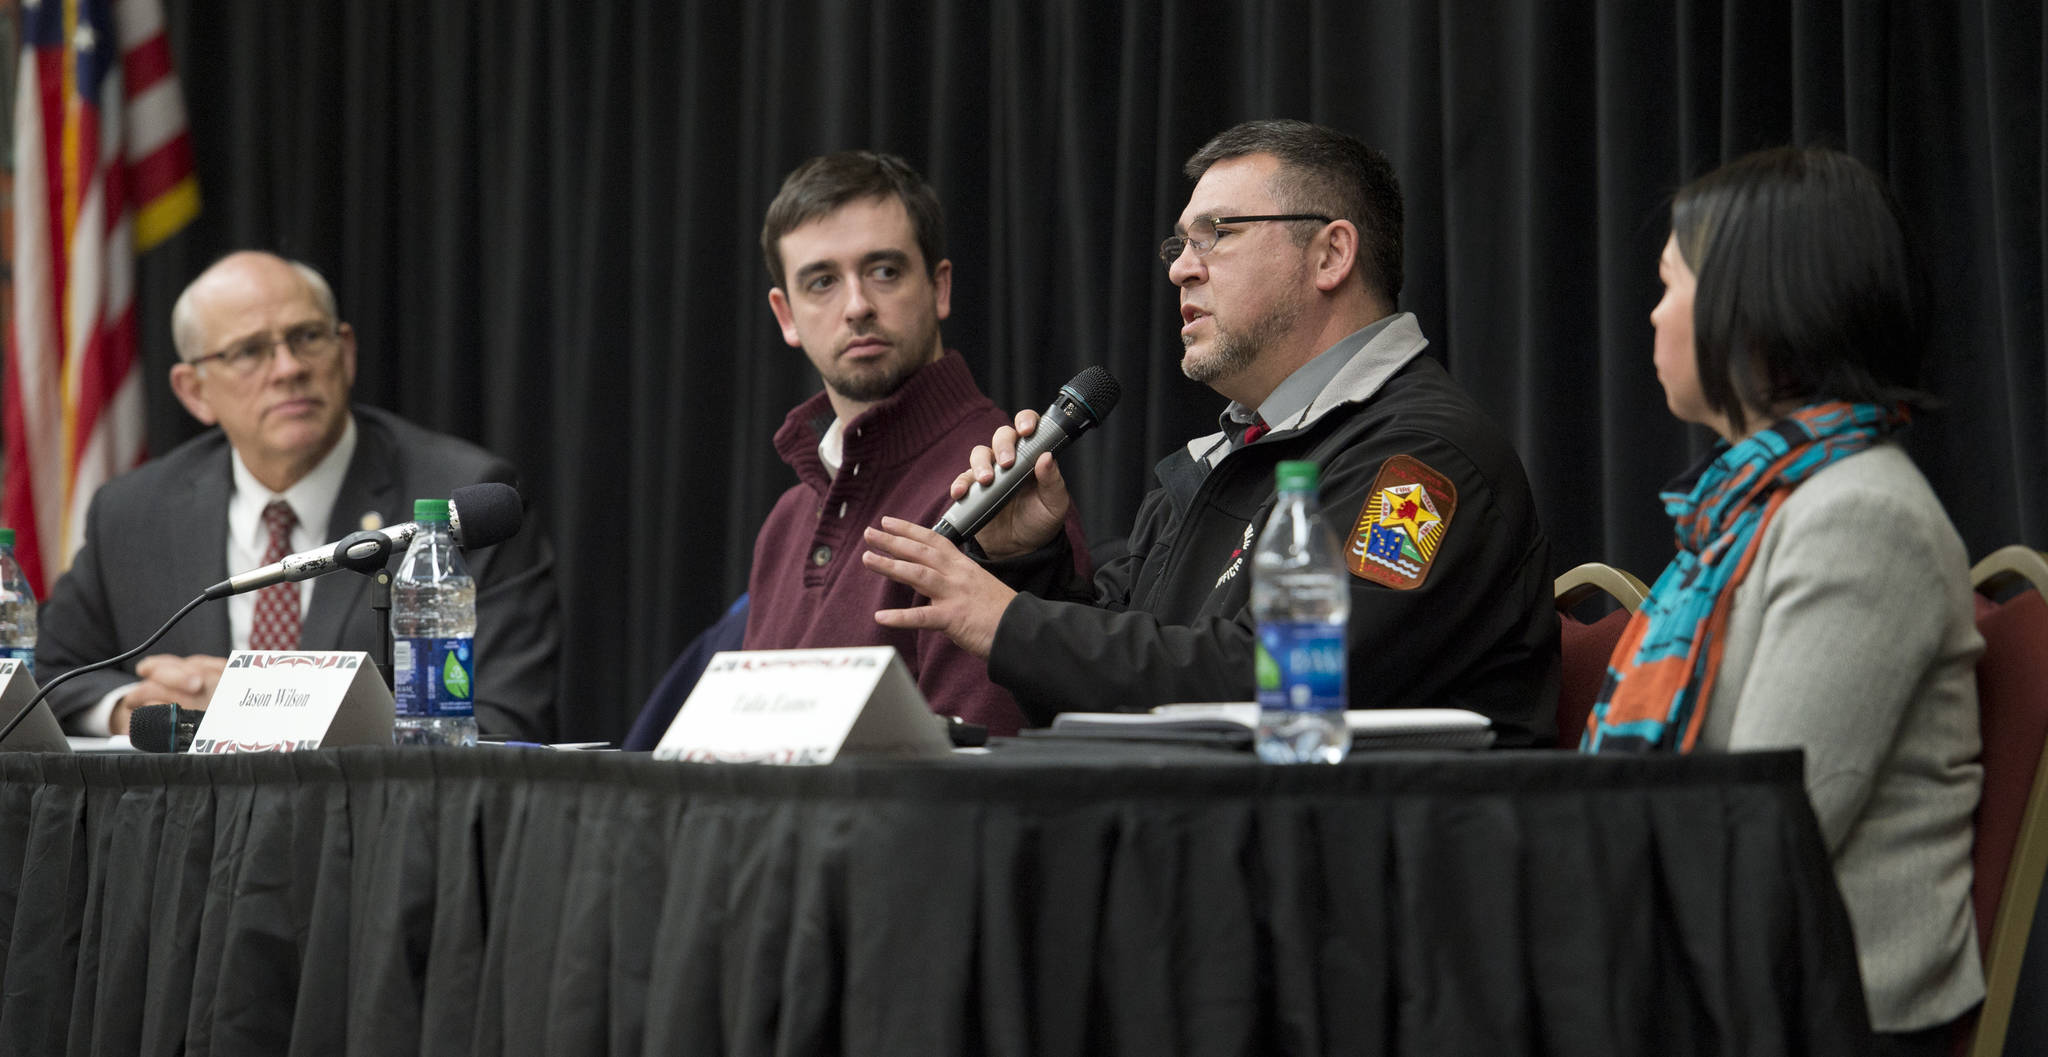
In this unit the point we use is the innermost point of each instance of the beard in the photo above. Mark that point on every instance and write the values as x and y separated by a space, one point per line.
877 380
1237 348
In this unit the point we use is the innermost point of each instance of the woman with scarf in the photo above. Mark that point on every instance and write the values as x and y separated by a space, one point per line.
1820 598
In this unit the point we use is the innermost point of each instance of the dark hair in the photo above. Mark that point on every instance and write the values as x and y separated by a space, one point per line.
1325 171
829 181
1807 289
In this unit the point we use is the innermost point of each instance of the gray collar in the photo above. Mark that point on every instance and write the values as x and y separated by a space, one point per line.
1350 371
1291 397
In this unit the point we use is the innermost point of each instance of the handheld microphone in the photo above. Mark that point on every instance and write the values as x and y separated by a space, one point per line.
481 515
1081 405
163 728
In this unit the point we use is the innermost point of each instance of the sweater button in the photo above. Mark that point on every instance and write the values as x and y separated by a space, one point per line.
821 556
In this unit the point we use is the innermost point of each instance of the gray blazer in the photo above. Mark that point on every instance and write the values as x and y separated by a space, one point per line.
157 536
1854 638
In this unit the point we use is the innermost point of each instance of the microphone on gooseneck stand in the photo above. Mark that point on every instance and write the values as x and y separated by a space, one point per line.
1081 405
482 515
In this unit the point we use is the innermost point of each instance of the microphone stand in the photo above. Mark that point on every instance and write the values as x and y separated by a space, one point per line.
352 554
380 601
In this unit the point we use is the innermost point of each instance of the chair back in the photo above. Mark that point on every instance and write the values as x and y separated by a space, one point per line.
1585 647
2011 854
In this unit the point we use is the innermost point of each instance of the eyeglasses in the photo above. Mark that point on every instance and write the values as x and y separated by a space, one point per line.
1202 233
312 343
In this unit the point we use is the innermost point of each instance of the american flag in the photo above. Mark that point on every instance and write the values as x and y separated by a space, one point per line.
103 171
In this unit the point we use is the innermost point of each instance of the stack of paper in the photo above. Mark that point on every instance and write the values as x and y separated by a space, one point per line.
1375 728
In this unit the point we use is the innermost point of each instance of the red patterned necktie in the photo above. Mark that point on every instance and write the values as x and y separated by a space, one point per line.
1254 431
276 625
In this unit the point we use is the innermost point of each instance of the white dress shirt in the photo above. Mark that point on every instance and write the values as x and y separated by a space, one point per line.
312 499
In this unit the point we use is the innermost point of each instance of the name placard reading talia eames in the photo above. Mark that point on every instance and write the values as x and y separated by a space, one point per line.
803 707
284 701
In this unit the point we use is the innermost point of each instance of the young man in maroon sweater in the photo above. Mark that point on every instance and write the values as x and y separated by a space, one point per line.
855 244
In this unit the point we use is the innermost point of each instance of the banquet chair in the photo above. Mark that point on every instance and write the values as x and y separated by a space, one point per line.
1584 646
2011 854
729 632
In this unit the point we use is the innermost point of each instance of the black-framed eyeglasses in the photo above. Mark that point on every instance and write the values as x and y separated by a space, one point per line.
311 342
1202 233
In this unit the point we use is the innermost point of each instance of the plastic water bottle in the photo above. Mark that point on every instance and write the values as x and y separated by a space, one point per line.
17 608
433 636
1301 598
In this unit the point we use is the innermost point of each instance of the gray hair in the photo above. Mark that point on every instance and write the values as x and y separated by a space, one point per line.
185 336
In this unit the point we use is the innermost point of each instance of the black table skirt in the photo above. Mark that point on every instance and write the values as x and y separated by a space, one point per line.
1039 901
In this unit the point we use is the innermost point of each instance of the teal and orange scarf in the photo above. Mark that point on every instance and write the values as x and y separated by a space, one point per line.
1661 675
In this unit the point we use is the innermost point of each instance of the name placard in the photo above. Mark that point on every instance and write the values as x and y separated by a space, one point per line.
284 701
803 707
39 732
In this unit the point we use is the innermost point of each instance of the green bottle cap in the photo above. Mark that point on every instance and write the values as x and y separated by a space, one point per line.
6 537
430 510
1298 475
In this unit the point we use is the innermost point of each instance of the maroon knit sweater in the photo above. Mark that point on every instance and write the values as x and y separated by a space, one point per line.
808 587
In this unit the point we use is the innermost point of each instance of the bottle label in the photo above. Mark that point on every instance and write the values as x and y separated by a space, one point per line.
1301 666
432 677
25 654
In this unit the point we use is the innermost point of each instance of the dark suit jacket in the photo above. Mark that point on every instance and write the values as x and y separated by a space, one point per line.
156 537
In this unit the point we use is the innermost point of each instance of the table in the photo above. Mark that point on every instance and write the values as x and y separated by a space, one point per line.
1040 900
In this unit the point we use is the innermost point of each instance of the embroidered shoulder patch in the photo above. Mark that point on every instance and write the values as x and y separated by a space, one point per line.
1402 524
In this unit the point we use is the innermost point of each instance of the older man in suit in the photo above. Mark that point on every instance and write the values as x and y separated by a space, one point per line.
264 356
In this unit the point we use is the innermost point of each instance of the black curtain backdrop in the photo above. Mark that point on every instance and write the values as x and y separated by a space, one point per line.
542 220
